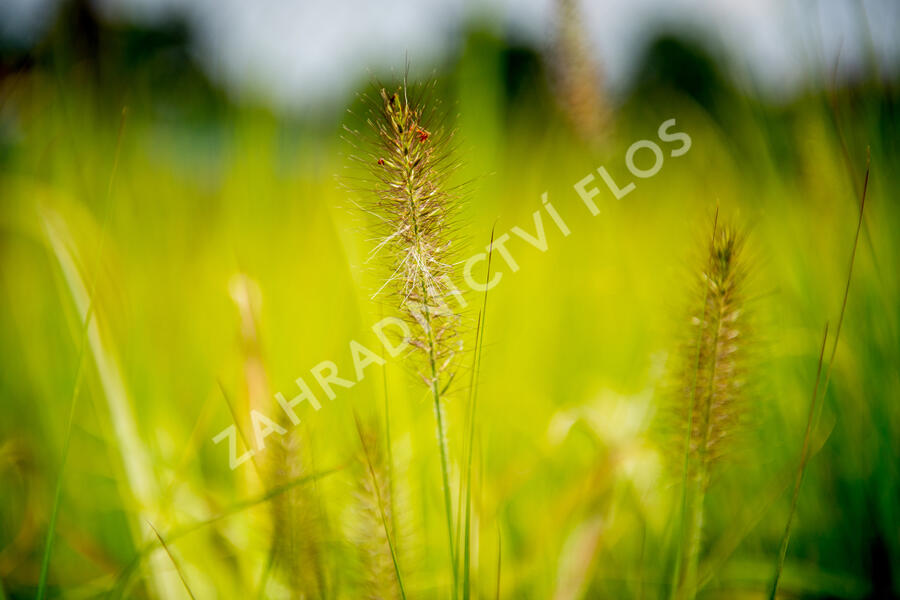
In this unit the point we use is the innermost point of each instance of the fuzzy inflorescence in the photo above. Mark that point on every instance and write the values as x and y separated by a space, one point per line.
410 162
373 521
298 521
712 374
578 76
710 391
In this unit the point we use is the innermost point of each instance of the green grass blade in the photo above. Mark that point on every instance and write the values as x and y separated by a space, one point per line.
267 572
837 331
165 547
751 516
462 488
57 492
473 398
122 580
801 469
813 415
442 445
79 369
240 430
388 445
445 479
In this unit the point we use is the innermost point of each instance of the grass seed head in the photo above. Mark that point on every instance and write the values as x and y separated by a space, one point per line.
713 362
415 211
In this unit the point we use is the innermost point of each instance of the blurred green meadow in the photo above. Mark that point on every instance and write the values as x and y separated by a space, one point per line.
217 254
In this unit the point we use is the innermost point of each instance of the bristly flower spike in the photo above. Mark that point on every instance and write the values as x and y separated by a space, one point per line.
410 162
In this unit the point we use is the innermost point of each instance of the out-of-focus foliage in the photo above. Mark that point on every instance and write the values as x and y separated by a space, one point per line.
571 484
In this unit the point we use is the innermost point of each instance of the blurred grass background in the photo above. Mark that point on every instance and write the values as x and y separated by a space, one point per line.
159 211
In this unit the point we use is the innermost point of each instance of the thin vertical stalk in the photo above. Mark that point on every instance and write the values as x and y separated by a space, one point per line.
804 457
79 369
178 569
445 479
390 450
473 399
814 414
441 438
837 332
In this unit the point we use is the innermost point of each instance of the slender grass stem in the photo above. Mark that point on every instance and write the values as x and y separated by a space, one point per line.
79 370
57 492
438 409
473 399
267 572
445 479
441 438
122 580
468 485
389 447
458 523
178 570
804 456
815 408
837 331
694 535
